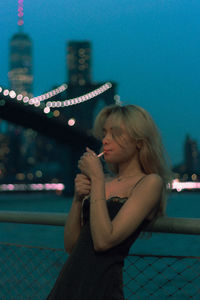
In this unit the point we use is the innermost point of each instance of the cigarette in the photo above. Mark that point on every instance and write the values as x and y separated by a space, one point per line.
100 154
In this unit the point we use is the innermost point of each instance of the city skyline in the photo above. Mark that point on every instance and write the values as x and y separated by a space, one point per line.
161 75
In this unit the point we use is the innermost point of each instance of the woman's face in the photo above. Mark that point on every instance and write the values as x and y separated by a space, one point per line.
117 143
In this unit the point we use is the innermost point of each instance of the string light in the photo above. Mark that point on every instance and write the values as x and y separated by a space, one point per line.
19 97
50 94
6 92
80 99
56 104
12 94
35 100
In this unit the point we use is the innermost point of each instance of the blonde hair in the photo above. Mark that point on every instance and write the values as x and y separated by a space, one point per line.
141 128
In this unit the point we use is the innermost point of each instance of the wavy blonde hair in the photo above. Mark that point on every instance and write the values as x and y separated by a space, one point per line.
141 127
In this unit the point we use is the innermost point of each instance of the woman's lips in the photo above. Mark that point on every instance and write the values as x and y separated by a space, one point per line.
107 151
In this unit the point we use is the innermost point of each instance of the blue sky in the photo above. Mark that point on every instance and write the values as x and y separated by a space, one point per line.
151 48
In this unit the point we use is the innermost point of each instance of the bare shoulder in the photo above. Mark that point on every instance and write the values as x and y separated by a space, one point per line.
153 179
149 184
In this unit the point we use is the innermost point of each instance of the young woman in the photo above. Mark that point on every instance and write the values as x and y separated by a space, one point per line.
109 212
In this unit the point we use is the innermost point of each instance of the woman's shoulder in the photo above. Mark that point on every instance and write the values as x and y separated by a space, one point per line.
154 178
151 180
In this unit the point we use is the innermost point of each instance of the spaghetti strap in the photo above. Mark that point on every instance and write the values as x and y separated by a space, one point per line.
137 183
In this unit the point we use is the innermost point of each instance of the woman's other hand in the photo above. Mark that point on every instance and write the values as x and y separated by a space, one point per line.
90 165
82 186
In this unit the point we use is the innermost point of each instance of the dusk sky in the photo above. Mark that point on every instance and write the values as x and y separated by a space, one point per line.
150 48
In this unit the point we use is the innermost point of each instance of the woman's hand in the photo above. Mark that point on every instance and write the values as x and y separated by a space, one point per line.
82 186
90 165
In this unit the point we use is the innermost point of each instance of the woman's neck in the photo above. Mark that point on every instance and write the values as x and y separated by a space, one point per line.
129 168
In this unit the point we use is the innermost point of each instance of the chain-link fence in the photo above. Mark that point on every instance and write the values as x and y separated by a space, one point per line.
29 273
162 277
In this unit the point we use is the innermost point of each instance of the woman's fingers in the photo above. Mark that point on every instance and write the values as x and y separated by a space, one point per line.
82 184
82 178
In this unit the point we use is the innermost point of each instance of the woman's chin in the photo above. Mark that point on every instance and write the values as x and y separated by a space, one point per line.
110 160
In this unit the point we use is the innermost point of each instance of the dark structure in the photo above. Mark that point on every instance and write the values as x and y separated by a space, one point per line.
192 156
190 168
79 66
72 140
20 74
54 141
79 63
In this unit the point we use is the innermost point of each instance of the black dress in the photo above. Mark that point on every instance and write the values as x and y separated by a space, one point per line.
91 275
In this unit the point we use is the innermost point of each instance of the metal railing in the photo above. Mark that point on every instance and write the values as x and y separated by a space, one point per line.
28 272
162 224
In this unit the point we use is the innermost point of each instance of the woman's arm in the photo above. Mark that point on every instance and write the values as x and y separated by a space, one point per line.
145 196
100 223
106 233
73 224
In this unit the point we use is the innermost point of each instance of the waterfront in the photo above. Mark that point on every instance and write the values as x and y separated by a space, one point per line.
184 205
31 270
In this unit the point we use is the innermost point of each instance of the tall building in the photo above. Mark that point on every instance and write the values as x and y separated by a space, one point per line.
79 62
80 82
20 74
192 156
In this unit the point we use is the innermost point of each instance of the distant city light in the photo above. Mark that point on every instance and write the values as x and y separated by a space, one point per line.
56 113
20 12
188 185
38 173
20 22
46 110
194 176
32 187
117 100
30 176
71 122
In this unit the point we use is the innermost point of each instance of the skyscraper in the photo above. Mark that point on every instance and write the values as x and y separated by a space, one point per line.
192 157
20 74
79 62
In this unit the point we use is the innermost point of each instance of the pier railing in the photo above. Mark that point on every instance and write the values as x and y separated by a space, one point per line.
162 224
29 272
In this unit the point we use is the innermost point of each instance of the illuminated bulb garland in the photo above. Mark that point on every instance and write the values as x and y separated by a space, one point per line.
54 104
35 100
80 99
38 99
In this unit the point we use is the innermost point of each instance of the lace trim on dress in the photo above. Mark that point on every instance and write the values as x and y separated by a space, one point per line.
117 199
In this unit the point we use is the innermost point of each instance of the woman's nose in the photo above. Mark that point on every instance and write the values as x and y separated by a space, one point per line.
106 139
104 142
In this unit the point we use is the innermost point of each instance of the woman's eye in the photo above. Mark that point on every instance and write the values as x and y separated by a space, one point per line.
117 132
